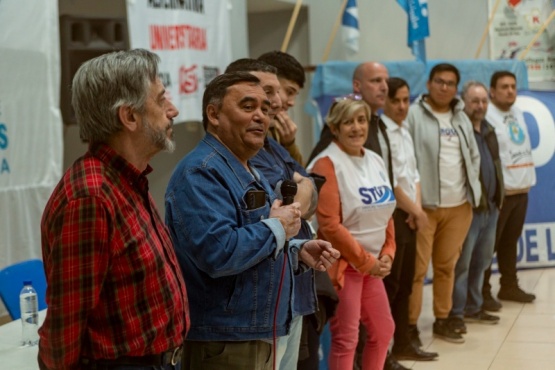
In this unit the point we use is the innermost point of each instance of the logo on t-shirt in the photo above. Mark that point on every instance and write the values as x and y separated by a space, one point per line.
376 195
448 132
516 133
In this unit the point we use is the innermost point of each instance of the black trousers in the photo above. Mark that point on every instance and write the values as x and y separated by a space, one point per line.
509 229
398 284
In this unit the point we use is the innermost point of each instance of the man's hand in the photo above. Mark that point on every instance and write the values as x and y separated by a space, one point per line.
319 254
306 195
289 216
286 128
418 221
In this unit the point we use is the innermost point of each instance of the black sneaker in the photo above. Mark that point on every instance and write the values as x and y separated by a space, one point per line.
414 335
481 317
514 293
457 324
490 304
412 353
443 330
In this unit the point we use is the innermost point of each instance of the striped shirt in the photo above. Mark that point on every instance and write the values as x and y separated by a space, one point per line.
114 284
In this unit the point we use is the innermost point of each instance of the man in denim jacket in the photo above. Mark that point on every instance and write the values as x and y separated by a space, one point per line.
230 235
276 165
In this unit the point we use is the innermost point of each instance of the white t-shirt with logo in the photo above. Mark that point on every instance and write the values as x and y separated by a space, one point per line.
514 147
452 178
367 200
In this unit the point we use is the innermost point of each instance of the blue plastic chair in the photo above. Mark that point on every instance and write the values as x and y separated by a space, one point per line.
11 283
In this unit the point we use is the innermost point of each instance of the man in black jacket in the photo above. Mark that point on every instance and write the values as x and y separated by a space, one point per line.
477 250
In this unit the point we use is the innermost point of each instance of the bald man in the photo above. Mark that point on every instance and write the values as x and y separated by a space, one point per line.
370 83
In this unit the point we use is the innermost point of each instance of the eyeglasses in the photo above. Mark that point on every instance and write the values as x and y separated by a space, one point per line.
351 96
440 82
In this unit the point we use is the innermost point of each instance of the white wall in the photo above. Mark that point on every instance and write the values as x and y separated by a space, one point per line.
455 30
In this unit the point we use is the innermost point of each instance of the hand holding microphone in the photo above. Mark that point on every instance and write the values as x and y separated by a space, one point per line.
317 254
288 211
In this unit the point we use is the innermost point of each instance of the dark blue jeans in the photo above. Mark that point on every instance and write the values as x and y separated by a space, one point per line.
476 256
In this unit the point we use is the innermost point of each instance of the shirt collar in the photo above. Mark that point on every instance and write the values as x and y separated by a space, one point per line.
389 123
125 169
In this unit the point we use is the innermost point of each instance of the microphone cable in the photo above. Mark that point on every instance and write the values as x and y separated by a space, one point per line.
288 191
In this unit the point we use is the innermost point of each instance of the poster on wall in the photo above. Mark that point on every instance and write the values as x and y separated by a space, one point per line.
514 26
193 40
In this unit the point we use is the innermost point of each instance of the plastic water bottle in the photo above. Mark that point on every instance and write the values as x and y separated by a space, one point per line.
29 306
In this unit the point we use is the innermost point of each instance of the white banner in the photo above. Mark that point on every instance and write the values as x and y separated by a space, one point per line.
193 39
31 142
515 24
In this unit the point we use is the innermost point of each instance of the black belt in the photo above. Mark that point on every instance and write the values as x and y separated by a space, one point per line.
167 358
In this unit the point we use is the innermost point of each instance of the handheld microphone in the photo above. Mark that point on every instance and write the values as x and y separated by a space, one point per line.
288 191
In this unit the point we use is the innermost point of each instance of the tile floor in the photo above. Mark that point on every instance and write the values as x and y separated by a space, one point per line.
524 339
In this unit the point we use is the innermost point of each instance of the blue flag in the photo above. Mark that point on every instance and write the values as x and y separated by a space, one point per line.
349 24
418 29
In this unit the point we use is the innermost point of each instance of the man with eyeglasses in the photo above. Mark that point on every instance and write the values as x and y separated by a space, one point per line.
448 161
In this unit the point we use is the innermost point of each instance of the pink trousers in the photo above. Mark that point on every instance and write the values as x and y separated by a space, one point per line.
363 298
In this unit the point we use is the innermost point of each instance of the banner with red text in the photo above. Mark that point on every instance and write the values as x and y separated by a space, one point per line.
514 26
193 39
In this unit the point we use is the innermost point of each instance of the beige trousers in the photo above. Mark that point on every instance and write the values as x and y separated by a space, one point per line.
441 241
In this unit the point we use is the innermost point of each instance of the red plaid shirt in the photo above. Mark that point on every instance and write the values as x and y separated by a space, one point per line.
114 284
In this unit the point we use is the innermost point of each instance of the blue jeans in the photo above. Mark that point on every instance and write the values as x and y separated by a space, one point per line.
476 256
287 352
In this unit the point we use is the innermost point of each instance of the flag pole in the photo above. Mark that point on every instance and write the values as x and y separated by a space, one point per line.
538 34
485 34
334 30
292 22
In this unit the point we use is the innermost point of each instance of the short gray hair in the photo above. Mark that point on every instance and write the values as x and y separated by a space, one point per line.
470 84
103 84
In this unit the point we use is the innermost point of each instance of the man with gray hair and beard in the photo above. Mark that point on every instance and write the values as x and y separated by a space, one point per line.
116 297
477 250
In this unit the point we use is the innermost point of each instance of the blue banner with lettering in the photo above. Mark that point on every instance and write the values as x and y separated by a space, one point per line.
536 247
537 243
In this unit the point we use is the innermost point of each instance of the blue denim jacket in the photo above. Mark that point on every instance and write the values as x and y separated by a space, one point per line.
277 165
230 256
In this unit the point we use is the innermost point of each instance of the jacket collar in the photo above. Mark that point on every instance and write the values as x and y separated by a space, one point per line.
457 105
245 177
